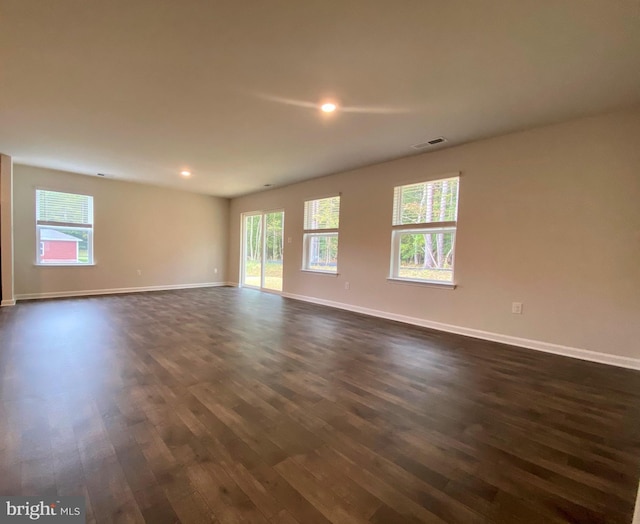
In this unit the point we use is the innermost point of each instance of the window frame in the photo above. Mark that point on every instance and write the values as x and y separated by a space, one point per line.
423 228
44 224
307 234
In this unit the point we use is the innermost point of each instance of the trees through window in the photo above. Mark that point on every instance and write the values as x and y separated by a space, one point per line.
321 225
424 230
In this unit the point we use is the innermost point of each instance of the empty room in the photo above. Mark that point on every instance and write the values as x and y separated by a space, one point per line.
303 261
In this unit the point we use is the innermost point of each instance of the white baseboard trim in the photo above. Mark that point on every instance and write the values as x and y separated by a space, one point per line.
582 354
6 303
114 291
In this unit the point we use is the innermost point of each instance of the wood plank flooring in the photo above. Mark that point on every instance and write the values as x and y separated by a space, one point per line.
227 405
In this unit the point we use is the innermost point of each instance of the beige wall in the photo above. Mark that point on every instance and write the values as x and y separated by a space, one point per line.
549 217
174 237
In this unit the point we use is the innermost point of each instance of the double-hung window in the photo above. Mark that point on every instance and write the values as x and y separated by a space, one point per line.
424 231
321 224
64 228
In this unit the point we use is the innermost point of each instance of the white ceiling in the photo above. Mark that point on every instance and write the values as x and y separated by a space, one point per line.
140 89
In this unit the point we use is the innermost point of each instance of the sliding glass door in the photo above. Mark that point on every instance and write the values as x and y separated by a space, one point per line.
252 252
262 250
273 248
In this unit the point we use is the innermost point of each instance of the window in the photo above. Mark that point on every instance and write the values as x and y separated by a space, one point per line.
64 228
321 222
424 231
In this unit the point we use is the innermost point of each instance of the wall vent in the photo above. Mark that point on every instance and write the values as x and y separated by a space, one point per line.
430 143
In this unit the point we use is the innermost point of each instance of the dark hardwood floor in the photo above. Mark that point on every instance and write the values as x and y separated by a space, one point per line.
227 405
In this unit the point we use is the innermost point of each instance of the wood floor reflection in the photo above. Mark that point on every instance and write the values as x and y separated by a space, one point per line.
227 405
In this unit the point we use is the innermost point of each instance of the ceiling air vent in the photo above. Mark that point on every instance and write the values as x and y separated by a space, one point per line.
430 143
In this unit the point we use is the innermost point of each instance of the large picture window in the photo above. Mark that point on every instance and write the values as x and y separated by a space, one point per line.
424 231
64 228
321 224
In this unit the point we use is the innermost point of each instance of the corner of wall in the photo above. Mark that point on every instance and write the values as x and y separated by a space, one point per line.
6 230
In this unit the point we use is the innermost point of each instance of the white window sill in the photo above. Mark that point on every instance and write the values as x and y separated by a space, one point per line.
425 283
64 265
318 272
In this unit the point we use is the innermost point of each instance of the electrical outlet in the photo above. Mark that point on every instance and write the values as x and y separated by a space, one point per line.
288 240
516 308
215 270
139 272
347 285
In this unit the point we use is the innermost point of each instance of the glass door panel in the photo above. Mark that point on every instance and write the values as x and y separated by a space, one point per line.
252 263
274 246
262 250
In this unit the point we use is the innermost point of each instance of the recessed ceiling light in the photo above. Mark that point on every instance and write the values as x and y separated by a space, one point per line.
185 173
328 107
